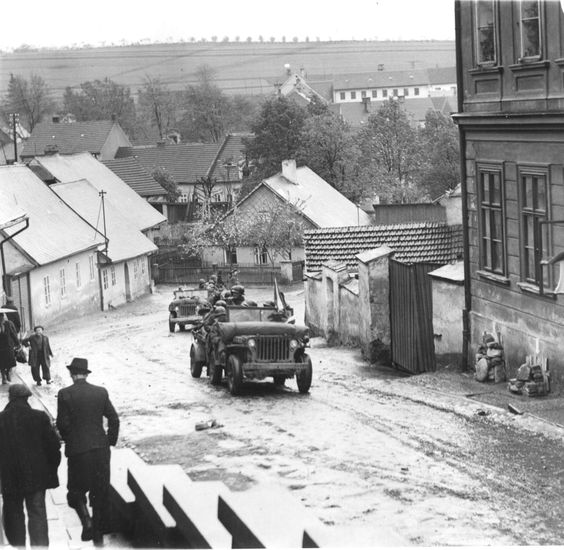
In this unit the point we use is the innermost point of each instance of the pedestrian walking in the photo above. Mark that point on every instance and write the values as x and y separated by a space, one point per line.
81 409
8 343
14 314
29 457
39 355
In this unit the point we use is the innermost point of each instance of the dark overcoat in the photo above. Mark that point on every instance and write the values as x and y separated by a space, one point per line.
81 409
29 450
8 342
14 316
39 348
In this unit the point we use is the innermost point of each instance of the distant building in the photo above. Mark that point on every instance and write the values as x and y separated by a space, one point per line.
100 138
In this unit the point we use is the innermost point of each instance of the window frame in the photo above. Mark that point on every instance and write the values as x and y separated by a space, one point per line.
538 55
113 274
91 266
105 284
416 91
374 94
62 282
526 281
485 205
353 95
342 96
477 50
78 275
47 290
385 92
261 255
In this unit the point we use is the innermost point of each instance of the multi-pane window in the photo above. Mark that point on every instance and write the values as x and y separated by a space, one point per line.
415 91
343 95
47 290
261 255
78 279
142 261
113 273
485 31
384 93
530 28
406 91
62 283
105 279
374 93
492 240
395 94
92 268
363 93
533 187
353 95
231 255
135 268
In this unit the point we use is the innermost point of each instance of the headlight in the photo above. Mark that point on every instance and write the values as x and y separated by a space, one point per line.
176 308
251 343
293 344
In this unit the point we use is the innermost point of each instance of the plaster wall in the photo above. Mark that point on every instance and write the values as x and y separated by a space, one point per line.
448 303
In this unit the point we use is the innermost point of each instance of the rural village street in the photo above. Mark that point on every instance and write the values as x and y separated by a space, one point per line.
376 467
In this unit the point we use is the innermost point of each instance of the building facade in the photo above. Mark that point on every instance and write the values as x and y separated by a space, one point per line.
510 58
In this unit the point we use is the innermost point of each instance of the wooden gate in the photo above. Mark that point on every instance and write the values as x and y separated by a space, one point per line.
411 317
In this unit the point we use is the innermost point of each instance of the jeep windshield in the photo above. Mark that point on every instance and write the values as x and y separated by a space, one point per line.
183 293
257 314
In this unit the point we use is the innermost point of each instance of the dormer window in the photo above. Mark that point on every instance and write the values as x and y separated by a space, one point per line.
485 32
530 29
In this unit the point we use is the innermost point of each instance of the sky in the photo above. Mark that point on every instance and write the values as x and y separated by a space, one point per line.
57 23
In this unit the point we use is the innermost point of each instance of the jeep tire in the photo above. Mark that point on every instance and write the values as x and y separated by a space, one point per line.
304 377
195 366
234 375
279 380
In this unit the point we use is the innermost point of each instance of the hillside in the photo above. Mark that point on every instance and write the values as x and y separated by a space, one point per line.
242 68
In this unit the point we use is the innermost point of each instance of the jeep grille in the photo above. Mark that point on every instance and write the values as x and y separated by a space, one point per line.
273 348
187 310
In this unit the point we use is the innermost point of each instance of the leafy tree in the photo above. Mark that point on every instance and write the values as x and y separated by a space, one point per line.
440 144
328 147
166 180
99 100
206 109
317 106
277 133
390 151
157 105
31 99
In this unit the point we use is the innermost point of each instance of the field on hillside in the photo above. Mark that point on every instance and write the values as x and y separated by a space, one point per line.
242 68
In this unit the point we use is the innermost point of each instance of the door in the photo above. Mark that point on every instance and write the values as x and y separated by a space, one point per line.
127 283
19 287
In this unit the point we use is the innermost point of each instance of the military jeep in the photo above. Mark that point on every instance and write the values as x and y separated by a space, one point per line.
186 308
252 346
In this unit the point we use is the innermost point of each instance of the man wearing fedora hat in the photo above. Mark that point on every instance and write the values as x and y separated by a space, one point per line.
29 457
81 409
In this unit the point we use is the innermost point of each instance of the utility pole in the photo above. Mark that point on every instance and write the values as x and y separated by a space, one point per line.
102 194
14 120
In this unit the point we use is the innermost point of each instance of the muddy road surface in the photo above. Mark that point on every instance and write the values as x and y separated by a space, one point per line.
376 468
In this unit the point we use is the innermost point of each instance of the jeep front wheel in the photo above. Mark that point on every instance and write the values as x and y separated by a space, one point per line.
195 366
304 377
234 375
279 380
214 370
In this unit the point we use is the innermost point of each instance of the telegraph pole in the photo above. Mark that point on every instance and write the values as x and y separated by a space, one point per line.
14 119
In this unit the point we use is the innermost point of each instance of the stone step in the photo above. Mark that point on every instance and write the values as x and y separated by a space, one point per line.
194 506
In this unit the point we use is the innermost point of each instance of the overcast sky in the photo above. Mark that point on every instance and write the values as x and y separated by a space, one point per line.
66 22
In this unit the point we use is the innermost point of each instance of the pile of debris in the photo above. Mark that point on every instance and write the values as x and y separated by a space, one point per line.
533 378
490 360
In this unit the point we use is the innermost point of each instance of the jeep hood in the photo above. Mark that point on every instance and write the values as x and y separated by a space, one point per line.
228 331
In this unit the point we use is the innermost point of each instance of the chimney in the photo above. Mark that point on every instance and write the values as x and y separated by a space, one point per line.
366 103
289 170
56 119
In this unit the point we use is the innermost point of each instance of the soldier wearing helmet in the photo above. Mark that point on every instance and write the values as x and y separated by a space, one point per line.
237 295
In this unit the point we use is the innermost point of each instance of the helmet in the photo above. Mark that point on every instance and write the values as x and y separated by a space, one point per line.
250 303
238 289
202 281
220 303
270 303
220 310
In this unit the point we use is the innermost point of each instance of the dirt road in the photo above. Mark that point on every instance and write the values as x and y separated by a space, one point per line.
377 468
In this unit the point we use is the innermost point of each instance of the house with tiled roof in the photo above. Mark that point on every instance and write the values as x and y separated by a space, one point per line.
382 85
100 138
369 286
51 266
141 181
67 168
125 271
188 163
315 202
296 88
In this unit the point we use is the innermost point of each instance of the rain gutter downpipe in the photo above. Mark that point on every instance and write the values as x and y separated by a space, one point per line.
464 189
